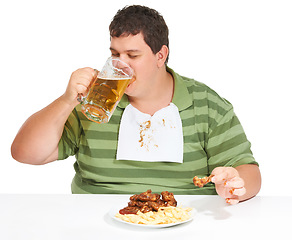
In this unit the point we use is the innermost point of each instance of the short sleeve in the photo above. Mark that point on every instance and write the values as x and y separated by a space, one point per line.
227 143
69 142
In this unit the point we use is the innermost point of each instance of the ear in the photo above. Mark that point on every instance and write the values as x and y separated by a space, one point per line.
162 55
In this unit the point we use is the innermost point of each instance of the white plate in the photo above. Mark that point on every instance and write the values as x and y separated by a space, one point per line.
112 213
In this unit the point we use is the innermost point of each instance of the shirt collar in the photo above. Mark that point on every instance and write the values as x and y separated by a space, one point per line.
181 97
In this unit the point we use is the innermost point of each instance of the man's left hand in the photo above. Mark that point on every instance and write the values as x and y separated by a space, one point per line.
228 184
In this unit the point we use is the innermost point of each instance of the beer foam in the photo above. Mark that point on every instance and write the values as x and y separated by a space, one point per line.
115 78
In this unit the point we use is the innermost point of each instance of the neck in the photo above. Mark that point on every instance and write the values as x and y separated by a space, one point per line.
160 97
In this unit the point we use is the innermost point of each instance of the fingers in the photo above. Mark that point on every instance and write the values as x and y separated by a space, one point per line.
235 182
80 82
222 174
232 197
81 89
84 76
238 192
228 184
219 178
231 201
235 189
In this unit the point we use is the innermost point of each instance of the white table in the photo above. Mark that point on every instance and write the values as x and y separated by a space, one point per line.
84 217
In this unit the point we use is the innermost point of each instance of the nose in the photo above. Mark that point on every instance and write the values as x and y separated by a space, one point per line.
124 59
123 66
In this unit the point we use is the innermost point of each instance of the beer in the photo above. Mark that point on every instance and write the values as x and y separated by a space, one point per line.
107 90
103 97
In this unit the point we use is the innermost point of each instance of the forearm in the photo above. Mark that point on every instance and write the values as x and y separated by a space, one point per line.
250 173
39 136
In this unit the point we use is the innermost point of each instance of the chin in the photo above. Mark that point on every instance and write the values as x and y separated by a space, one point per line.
130 89
129 93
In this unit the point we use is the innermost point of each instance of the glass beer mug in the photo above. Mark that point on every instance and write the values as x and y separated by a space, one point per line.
106 91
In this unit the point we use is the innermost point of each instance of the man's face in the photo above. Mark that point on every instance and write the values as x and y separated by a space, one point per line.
133 50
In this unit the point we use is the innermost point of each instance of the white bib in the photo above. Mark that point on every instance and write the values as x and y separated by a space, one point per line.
157 138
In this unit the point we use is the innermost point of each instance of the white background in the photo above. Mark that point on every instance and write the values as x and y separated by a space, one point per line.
241 49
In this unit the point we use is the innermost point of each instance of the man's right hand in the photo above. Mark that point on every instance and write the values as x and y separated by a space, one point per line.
79 83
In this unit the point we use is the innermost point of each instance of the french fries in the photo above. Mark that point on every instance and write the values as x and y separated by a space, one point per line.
164 215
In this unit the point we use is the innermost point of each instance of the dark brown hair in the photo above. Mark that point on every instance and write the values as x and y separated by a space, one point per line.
135 19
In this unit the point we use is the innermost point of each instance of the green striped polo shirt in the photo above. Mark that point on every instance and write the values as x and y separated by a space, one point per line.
213 136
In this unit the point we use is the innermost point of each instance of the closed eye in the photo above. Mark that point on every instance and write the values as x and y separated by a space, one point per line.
133 56
115 54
